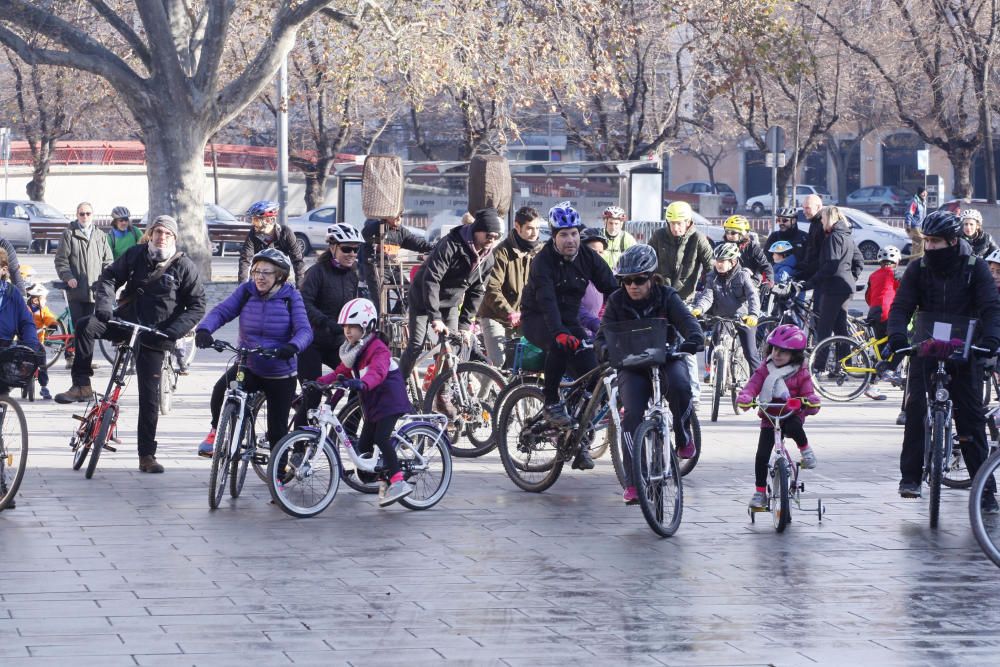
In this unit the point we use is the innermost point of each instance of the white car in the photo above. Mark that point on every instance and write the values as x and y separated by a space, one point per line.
763 203
310 227
643 230
870 234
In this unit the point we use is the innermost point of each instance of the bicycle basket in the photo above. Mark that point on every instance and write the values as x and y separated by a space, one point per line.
528 357
943 335
18 364
637 343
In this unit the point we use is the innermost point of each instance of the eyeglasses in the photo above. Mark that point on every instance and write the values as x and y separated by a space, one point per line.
261 274
492 236
84 213
348 249
734 232
635 280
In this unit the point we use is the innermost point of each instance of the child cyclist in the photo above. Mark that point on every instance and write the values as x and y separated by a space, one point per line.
369 369
783 379
993 261
783 256
44 318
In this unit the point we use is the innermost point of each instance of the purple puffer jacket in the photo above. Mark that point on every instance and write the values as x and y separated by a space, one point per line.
278 319
384 394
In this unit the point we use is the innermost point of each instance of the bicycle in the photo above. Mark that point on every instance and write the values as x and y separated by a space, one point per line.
793 308
850 366
957 475
241 432
17 364
101 418
60 336
168 383
783 485
729 368
304 471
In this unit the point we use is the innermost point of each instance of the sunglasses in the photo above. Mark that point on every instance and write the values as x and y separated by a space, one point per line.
492 236
733 232
348 249
635 280
85 213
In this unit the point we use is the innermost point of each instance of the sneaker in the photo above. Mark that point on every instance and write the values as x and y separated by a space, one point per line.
148 464
909 489
396 490
631 496
989 504
875 393
707 377
688 451
893 378
556 415
46 394
808 458
207 446
583 461
758 503
901 418
76 394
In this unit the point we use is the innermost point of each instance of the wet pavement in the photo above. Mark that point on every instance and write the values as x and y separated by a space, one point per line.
132 569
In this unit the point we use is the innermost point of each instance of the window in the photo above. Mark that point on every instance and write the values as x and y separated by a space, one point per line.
722 188
19 212
803 190
863 193
324 215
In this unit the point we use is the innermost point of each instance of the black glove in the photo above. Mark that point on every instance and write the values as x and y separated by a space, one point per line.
602 353
104 314
991 344
203 339
897 342
286 351
690 346
153 339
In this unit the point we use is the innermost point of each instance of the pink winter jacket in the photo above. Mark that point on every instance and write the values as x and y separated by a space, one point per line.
799 383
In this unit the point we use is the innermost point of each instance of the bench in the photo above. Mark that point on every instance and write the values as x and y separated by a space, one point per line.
220 235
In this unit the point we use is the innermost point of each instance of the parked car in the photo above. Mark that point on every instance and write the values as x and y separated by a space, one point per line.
884 200
763 203
870 233
18 215
310 227
956 206
729 201
643 230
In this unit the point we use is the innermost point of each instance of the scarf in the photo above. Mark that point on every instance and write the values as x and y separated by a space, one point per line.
160 255
774 384
524 245
349 352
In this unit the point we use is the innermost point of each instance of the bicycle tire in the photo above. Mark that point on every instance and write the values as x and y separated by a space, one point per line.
13 462
428 491
719 372
109 350
309 494
657 479
936 467
238 466
985 528
102 437
957 476
54 348
781 506
166 387
81 446
224 434
618 462
832 381
765 326
511 437
687 465
478 411
739 373
259 412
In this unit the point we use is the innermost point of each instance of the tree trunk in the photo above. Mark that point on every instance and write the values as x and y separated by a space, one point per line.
41 158
961 161
314 189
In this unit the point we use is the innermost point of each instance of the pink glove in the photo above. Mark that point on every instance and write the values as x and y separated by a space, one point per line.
515 319
793 404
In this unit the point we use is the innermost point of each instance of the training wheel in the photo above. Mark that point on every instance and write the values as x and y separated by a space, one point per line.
820 510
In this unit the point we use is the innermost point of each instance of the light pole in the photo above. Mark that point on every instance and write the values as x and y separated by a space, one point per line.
283 142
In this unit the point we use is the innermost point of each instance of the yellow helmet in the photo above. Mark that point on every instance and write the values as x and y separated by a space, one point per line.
737 223
26 270
679 211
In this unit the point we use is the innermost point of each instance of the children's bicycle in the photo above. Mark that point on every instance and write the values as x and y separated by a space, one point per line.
729 370
304 470
783 485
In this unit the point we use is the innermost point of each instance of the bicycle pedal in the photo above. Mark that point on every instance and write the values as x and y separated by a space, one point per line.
79 418
109 448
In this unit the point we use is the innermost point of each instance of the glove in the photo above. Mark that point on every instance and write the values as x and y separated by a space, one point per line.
689 346
568 342
602 354
203 339
750 320
514 319
286 351
696 312
744 406
897 342
793 404
353 384
781 289
104 314
991 344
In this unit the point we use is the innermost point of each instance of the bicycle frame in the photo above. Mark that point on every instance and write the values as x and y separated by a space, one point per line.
938 401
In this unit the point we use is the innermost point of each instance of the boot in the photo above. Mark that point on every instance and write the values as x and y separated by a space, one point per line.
76 394
583 461
148 464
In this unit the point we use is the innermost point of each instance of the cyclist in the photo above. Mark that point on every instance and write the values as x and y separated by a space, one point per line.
43 318
449 286
788 230
752 257
267 233
550 309
948 279
881 291
683 254
730 292
643 296
500 311
272 315
592 305
384 238
123 234
784 261
370 370
993 261
162 290
973 232
783 379
618 239
328 284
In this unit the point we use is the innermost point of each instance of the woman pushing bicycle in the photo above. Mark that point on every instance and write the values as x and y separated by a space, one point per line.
643 296
784 378
272 315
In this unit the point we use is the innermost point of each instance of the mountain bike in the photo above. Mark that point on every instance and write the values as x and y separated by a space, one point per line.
18 364
729 368
849 366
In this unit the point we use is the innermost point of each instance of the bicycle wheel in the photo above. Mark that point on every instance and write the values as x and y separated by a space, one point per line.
687 465
55 342
13 449
657 479
81 445
528 448
936 467
957 476
225 432
299 487
109 350
605 433
261 450
238 465
778 494
765 326
467 397
719 367
166 387
103 431
618 461
986 528
846 371
739 373
426 462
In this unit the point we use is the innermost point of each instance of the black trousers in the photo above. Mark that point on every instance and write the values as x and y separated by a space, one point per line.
310 367
970 417
790 428
635 388
557 359
77 311
831 319
279 393
379 433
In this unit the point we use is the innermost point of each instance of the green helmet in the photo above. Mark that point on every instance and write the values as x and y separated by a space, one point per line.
726 251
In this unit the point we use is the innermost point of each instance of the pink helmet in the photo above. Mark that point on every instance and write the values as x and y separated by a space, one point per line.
788 337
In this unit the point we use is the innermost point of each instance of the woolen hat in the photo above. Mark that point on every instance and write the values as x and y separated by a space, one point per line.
487 220
164 221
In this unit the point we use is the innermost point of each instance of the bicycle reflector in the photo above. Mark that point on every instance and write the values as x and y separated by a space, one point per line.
941 395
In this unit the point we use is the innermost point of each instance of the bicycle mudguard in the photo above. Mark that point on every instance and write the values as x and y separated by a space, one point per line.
406 428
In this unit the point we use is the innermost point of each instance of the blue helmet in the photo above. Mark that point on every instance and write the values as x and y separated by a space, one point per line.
780 246
265 208
564 216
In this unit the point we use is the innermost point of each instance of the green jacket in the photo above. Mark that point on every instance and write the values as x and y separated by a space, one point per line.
506 281
682 261
82 259
616 247
119 244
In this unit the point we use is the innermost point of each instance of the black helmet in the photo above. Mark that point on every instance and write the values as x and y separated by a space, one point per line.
119 212
278 259
640 258
593 234
943 224
787 212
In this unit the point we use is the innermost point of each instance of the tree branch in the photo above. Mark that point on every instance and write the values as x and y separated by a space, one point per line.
125 30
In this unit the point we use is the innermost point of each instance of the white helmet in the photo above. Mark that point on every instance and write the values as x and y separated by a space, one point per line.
994 257
889 253
342 233
971 213
616 212
37 289
360 312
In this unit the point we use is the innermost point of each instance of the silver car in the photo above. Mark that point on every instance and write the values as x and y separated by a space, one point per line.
310 227
18 215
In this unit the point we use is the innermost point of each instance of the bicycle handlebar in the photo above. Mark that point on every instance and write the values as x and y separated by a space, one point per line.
133 325
222 346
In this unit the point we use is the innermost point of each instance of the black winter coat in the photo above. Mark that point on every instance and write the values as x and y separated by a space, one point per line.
325 290
453 275
556 286
795 236
663 302
399 238
285 241
839 264
982 244
752 257
814 245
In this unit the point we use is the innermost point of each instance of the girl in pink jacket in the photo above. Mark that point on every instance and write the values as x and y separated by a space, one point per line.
784 378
